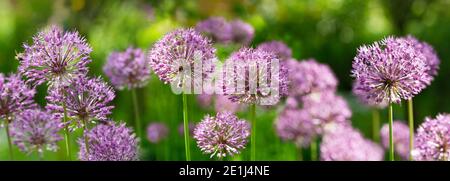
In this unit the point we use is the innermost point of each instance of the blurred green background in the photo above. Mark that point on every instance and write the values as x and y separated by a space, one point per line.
328 30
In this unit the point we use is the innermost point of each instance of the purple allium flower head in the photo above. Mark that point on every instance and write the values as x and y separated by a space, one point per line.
15 96
389 71
242 32
109 142
86 99
180 50
55 56
431 57
35 130
292 125
279 48
217 28
191 129
128 69
326 109
432 141
156 132
309 76
222 135
401 138
249 75
344 143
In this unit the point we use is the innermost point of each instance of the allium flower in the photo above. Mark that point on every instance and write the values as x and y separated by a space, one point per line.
242 32
178 51
15 96
128 69
87 99
347 144
191 128
249 76
432 141
156 132
401 138
362 97
55 56
309 76
35 130
222 135
109 142
217 28
326 109
389 71
279 48
292 125
431 58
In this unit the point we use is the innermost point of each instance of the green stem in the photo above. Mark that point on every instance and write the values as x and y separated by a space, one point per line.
376 125
67 134
411 126
300 154
313 148
391 133
253 133
186 128
11 156
86 139
136 113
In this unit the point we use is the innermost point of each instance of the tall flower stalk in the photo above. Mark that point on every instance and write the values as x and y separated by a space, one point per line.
253 133
67 134
391 132
186 128
376 125
137 117
411 126
8 137
313 150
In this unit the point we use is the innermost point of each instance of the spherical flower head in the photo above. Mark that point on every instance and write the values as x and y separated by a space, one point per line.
157 132
129 69
87 99
344 143
36 130
432 141
431 57
279 48
389 71
55 56
254 76
242 32
109 142
309 76
326 109
217 28
222 135
295 125
173 57
15 96
401 138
